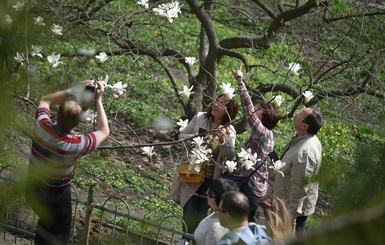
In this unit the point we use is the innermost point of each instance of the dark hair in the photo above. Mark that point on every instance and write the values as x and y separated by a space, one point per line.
220 186
231 110
270 115
315 121
236 204
68 115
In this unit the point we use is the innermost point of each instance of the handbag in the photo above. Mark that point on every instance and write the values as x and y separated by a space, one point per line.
187 175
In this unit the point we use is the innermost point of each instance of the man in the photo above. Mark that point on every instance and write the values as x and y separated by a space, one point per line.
233 214
53 159
302 156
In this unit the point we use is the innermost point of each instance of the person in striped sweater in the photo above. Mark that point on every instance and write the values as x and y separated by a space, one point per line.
53 159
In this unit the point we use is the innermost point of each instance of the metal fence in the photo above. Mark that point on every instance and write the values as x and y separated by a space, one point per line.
112 222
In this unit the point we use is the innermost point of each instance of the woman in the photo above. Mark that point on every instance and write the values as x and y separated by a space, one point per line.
191 196
273 213
262 119
209 230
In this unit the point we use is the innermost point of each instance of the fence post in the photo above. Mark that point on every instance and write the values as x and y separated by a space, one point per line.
87 223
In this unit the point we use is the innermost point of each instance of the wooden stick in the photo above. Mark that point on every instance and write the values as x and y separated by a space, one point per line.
240 67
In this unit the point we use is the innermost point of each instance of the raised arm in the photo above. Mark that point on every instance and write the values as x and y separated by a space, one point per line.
103 129
51 100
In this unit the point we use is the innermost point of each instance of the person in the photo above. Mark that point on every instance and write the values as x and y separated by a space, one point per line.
233 214
209 231
53 159
273 213
303 155
262 120
191 196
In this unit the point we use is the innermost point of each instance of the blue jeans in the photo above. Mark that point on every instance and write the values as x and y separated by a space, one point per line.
196 207
300 223
253 199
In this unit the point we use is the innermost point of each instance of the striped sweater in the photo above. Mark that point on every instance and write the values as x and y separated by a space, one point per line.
55 151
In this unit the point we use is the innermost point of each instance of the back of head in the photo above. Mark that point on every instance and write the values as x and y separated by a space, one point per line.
68 115
219 187
277 216
270 115
315 121
236 204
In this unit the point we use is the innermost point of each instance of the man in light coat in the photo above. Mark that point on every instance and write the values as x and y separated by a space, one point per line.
297 186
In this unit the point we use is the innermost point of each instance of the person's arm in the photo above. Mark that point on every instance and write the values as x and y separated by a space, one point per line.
103 129
189 130
51 100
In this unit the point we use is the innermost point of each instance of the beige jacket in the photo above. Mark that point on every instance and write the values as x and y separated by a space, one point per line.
297 187
181 192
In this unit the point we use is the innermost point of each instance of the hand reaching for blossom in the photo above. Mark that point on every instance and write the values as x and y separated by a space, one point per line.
238 75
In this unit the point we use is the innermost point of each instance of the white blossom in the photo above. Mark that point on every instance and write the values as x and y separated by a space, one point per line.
143 3
168 10
186 91
87 52
294 68
148 151
277 100
227 90
39 21
308 96
57 29
119 87
20 58
7 19
102 57
54 60
182 124
231 166
105 81
248 159
198 141
244 154
36 51
87 116
248 164
19 5
190 61
277 165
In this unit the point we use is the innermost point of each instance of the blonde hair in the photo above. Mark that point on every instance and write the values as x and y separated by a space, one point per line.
280 224
68 115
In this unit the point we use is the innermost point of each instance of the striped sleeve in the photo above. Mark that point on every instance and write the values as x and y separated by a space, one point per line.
42 112
91 142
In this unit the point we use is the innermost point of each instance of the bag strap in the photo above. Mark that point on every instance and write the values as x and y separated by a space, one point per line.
272 155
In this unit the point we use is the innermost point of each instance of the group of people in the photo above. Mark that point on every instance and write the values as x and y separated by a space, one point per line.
268 218
242 214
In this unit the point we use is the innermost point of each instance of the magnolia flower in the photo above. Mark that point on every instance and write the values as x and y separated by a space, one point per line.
54 60
182 124
231 166
36 51
186 91
244 154
248 164
20 58
143 3
168 10
227 90
277 165
104 81
87 116
87 52
198 141
102 57
294 67
308 96
39 21
7 19
119 87
19 5
277 100
148 150
190 60
57 29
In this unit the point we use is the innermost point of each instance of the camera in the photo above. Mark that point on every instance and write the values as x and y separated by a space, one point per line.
91 87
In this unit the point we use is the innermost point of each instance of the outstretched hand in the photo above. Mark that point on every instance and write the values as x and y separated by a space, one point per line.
99 89
238 75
